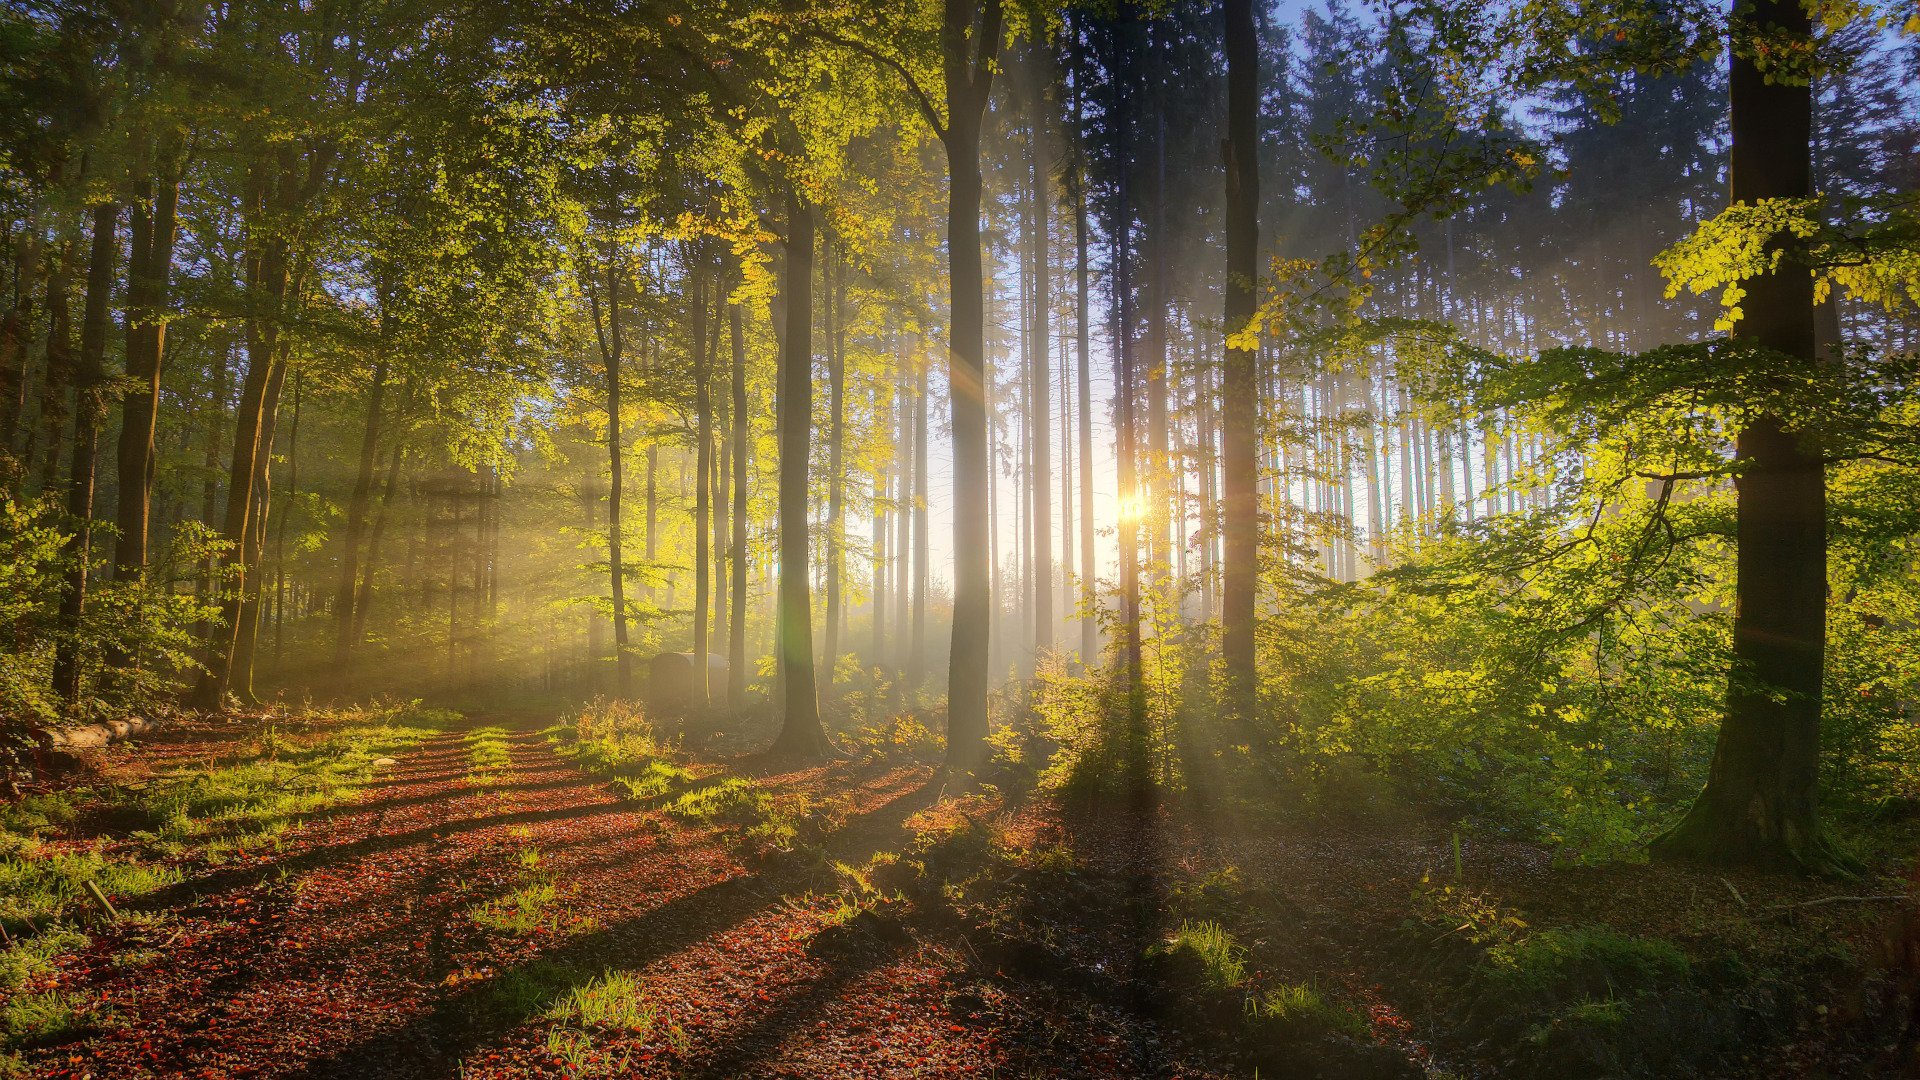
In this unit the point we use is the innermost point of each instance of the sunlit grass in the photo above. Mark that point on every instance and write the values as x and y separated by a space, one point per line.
616 999
487 755
1221 960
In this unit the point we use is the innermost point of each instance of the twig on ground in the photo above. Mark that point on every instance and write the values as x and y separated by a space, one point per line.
1842 900
1734 891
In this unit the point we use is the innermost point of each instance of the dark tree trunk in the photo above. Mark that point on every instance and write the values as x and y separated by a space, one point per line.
836 439
280 536
15 329
1761 802
1239 469
147 293
917 656
90 411
357 503
969 80
703 472
1089 625
800 730
247 638
610 349
1039 379
363 606
60 365
742 438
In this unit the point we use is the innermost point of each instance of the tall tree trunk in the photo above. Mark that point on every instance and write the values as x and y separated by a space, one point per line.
280 537
1089 571
60 364
15 330
344 593
147 293
917 654
1159 478
261 356
1239 470
742 438
902 507
363 606
610 350
836 570
247 638
703 486
969 80
1040 379
90 411
800 730
1761 801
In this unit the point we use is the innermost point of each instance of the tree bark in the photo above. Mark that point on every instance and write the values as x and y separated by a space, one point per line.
1040 380
1240 527
800 730
15 329
917 656
60 365
610 350
247 638
1089 572
836 440
969 81
147 293
357 503
703 473
1761 801
90 411
742 431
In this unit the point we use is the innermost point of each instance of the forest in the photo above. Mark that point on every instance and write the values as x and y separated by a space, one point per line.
880 538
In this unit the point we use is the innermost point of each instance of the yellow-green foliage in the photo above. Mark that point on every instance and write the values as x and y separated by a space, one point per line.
37 1019
210 810
615 740
1301 1004
487 755
1222 961
1586 962
616 999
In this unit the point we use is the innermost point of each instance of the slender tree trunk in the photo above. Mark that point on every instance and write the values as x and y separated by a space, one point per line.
616 568
15 330
917 654
968 83
357 504
800 730
742 439
1761 802
247 637
91 411
363 606
280 538
1089 570
702 483
1239 384
1040 380
60 364
836 570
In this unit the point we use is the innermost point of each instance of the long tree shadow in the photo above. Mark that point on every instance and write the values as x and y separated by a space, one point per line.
467 1018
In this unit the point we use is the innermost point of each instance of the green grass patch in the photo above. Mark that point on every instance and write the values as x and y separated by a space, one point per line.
1303 1006
50 1019
208 811
29 958
1219 960
1584 963
615 999
487 755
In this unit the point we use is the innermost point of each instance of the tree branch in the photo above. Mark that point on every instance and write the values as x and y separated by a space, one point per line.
920 97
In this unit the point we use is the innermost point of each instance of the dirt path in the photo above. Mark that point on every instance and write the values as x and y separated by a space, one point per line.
355 951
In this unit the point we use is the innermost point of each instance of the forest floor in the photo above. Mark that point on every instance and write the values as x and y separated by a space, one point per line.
485 909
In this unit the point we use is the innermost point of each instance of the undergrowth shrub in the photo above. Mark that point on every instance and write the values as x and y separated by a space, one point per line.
1586 962
1207 946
